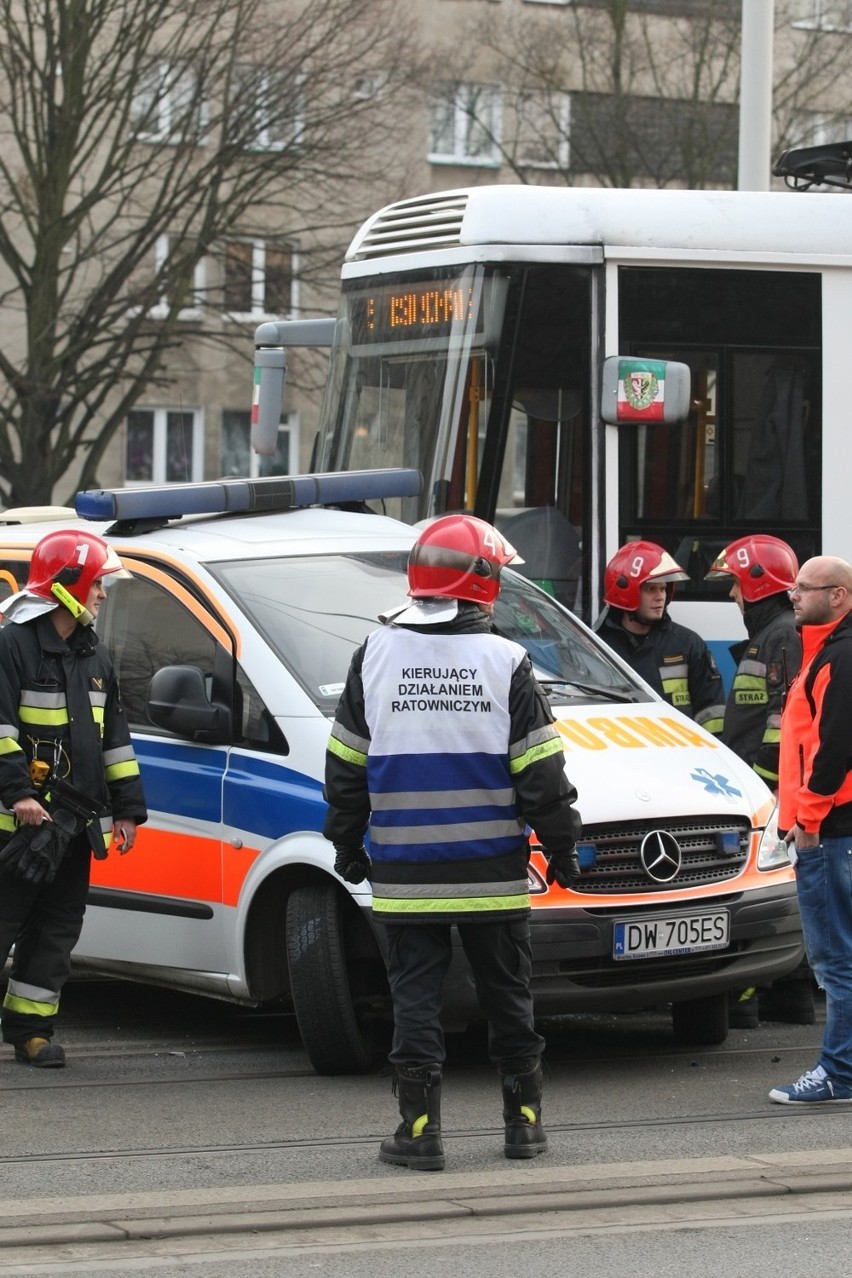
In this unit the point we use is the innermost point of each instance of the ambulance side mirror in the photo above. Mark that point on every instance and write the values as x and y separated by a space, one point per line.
178 702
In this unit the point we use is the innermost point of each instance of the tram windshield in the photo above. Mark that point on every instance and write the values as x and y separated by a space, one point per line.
479 377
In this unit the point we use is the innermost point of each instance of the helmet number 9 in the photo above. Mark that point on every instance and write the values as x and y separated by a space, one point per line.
743 556
637 566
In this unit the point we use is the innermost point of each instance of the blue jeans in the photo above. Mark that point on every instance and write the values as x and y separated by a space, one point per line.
824 885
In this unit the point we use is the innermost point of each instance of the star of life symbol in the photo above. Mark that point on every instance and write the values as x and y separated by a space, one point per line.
640 388
714 784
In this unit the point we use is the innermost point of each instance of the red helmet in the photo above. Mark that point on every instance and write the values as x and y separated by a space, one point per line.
460 557
64 566
631 566
762 565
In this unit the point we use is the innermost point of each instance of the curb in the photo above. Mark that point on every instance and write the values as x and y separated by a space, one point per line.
419 1197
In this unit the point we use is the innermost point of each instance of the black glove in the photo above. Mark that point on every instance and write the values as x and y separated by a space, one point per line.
563 868
352 864
34 852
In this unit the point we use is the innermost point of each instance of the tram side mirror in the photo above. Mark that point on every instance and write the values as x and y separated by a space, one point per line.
270 370
270 373
644 390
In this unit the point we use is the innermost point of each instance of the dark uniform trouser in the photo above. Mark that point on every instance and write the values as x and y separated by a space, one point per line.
44 925
500 956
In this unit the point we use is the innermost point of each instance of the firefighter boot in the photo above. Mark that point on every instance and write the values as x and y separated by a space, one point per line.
40 1052
525 1136
417 1143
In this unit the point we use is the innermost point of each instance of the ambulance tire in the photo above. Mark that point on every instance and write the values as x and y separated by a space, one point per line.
325 943
701 1022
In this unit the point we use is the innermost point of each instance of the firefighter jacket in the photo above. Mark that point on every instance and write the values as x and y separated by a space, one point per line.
815 788
766 663
59 703
445 743
675 661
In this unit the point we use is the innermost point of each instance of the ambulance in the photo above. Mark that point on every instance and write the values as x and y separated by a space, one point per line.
232 640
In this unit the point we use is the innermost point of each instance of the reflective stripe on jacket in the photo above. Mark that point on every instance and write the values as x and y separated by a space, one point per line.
766 663
59 704
445 743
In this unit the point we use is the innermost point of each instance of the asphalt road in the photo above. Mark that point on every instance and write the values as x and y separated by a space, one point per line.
188 1136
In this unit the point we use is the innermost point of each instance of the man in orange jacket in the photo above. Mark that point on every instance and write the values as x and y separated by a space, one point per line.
815 812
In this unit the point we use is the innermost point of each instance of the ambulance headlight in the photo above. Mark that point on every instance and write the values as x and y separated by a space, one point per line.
772 853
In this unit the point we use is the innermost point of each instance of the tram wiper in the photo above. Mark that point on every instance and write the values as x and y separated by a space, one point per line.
623 694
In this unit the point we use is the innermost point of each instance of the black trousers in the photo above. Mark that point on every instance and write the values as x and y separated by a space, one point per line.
44 924
500 956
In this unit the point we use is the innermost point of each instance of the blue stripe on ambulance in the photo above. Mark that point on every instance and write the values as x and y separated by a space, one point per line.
260 796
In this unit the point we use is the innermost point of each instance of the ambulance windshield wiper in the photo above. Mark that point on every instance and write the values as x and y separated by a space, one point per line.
622 693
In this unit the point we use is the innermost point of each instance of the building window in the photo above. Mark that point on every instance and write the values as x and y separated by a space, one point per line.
819 128
268 109
544 129
368 88
824 15
152 286
259 279
164 446
167 105
465 121
237 456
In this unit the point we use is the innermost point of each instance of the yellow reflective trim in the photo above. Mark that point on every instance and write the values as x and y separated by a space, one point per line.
98 714
116 771
39 715
534 753
450 904
346 753
772 736
766 774
713 725
418 1125
27 1006
8 822
749 681
8 745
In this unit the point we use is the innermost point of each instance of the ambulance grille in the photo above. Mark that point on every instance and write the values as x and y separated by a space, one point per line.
432 221
619 870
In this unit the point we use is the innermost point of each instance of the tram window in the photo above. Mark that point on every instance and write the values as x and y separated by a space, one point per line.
748 457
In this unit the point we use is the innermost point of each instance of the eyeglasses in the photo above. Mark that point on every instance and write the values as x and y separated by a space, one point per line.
806 590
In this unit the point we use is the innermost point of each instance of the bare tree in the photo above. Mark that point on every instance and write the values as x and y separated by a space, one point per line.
641 92
136 136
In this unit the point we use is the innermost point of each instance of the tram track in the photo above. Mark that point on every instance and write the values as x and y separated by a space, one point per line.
451 1137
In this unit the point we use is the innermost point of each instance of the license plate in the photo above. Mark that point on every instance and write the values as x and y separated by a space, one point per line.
659 936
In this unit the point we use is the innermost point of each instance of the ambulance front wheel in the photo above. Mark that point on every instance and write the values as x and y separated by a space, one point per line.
701 1022
337 981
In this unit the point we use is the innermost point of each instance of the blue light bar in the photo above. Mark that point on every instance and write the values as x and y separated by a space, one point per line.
232 496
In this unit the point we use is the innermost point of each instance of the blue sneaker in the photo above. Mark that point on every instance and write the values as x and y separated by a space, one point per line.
814 1087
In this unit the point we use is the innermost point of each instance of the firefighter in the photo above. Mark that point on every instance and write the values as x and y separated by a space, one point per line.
68 777
761 570
444 743
675 661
